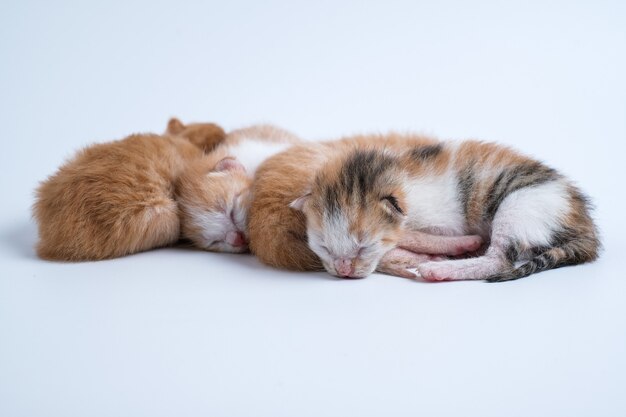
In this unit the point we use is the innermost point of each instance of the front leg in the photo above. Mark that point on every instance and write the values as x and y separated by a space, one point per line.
398 260
420 242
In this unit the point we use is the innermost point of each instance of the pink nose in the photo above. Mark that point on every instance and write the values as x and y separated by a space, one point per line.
344 267
236 239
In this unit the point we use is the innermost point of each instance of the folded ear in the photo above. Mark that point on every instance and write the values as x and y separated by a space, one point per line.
229 164
174 126
298 203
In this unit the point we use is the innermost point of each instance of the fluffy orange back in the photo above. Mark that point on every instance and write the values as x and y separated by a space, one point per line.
115 198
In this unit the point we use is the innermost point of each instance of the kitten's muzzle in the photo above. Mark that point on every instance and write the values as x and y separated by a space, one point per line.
236 239
345 267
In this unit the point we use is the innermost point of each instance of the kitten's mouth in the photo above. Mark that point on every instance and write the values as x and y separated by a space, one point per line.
346 268
351 276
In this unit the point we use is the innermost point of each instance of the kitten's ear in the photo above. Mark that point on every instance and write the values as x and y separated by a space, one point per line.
174 126
298 203
229 164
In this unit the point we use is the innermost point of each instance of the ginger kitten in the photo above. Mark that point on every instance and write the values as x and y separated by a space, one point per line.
117 198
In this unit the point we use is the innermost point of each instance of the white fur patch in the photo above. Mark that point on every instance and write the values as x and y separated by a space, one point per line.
433 204
531 215
213 225
339 240
253 152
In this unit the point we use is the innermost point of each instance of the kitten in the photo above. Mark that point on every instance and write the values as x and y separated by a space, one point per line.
361 202
117 198
278 235
214 192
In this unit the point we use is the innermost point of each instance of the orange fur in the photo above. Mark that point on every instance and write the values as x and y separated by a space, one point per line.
116 198
278 232
206 136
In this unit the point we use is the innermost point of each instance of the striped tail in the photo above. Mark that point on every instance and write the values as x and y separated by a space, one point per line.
576 251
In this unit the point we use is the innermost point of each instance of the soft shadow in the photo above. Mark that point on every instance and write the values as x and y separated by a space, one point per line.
252 263
20 239
418 279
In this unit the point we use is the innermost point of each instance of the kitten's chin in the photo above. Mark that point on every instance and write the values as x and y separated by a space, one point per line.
241 249
226 248
359 273
365 272
238 249
351 276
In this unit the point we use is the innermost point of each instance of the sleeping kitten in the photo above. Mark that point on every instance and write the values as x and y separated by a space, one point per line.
360 202
214 192
117 198
278 235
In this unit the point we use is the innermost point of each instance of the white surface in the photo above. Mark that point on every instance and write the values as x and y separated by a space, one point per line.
186 333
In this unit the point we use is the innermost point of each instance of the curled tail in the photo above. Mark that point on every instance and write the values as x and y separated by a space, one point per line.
575 251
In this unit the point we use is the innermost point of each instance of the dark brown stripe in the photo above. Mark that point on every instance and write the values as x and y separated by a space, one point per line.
425 152
359 176
512 179
466 185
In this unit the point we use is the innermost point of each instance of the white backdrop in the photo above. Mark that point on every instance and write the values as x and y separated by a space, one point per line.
189 333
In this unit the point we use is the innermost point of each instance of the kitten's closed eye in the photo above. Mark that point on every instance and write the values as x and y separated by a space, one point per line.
393 202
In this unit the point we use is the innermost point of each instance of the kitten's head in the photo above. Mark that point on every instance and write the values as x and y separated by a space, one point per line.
354 212
206 136
214 201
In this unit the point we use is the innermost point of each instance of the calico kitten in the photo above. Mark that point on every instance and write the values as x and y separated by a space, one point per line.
278 230
117 198
214 192
533 217
360 204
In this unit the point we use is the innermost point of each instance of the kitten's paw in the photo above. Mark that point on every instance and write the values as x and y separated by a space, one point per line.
398 261
462 269
396 271
438 271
